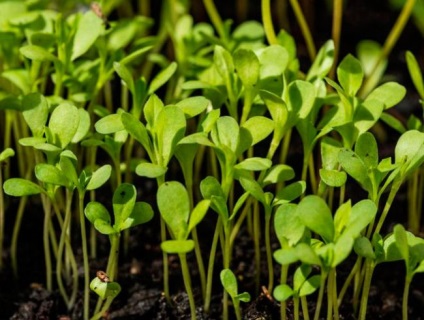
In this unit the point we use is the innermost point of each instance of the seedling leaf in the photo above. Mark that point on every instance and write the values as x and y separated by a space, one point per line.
193 106
96 211
282 292
389 94
177 246
99 177
198 213
150 170
89 28
123 203
105 289
19 187
109 124
315 214
174 207
229 282
350 74
247 66
254 164
63 124
141 213
162 77
48 173
287 224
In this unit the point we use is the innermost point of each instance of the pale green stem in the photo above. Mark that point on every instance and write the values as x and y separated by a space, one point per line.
336 31
211 265
310 46
216 20
267 22
304 304
86 299
320 295
408 280
369 268
187 284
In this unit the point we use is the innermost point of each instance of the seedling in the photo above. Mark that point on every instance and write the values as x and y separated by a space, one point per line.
127 213
229 282
174 207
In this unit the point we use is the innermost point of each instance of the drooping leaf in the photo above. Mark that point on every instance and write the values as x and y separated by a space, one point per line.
99 177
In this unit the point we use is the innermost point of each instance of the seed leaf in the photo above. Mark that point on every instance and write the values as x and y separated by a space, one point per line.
282 292
123 203
177 246
141 213
350 75
89 28
19 187
99 177
63 124
96 211
162 77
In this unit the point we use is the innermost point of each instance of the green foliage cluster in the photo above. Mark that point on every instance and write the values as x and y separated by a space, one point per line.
89 104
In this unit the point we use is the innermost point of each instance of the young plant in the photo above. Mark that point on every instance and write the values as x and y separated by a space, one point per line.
229 282
127 213
174 206
4 155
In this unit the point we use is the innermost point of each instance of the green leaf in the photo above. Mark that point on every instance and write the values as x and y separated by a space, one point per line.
410 149
253 187
300 275
366 149
89 28
279 173
125 74
198 213
288 225
363 248
402 242
415 73
174 207
105 289
137 130
226 133
36 53
224 62
83 126
367 114
170 128
6 153
286 256
290 192
362 213
247 66
315 214
341 217
18 187
282 292
259 128
350 74
243 297
254 164
68 163
99 177
48 173
301 98
151 110
96 211
141 213
333 178
63 124
322 63
393 122
123 203
104 227
35 112
162 77
342 249
389 94
193 106
310 286
229 282
307 255
177 246
150 170
355 167
110 124
273 61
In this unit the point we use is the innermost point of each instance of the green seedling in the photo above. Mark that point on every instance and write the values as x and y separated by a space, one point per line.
303 285
337 236
174 206
127 213
4 155
229 282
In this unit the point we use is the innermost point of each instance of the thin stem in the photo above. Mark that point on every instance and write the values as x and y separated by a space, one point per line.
256 241
216 20
47 254
304 304
269 250
267 22
336 31
104 309
86 299
296 308
211 265
310 46
394 189
408 280
369 269
320 295
283 280
187 284
391 39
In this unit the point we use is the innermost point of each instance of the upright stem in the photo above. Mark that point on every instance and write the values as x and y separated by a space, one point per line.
187 284
320 295
336 31
211 264
47 254
267 22
369 269
216 20
86 299
408 280
310 46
